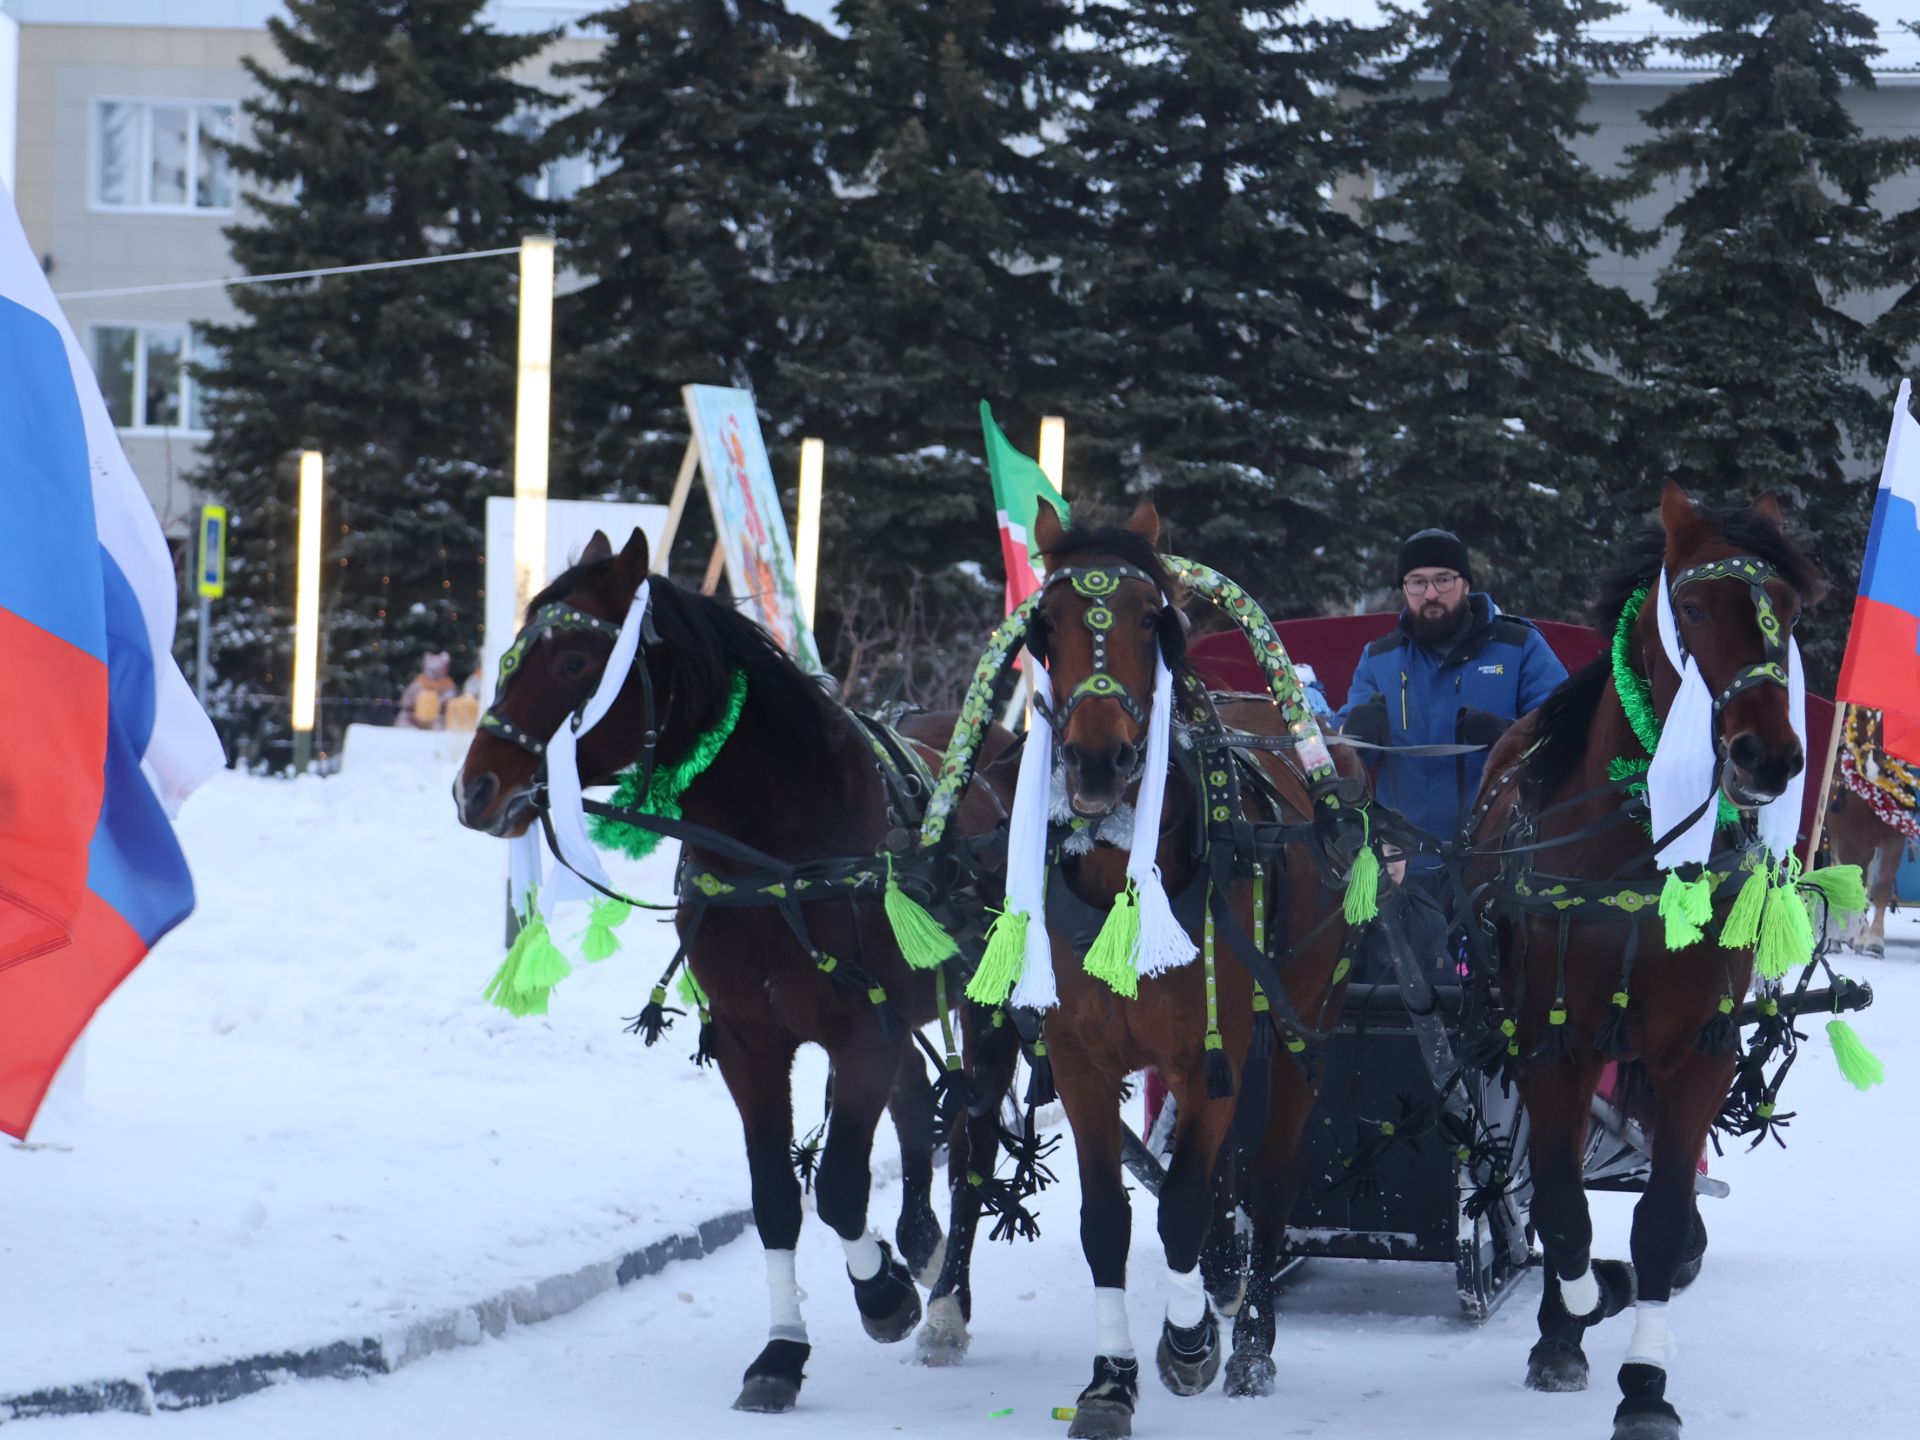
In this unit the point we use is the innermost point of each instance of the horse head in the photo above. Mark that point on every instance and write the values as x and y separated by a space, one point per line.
1737 587
553 667
1105 618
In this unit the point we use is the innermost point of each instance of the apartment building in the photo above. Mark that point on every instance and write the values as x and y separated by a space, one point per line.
109 110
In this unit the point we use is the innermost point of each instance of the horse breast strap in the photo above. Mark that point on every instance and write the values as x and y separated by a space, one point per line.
1773 635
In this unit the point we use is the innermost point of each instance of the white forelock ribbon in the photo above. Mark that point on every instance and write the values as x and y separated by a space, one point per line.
1684 761
1027 849
564 800
1164 942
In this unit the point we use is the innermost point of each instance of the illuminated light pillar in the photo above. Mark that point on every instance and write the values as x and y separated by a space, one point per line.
306 608
806 554
1053 451
533 406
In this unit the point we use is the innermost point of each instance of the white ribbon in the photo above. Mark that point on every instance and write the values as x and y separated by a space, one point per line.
564 799
1027 849
1780 818
1164 942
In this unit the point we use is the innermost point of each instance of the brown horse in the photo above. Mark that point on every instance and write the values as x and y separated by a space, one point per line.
796 779
1097 1039
1872 786
1563 967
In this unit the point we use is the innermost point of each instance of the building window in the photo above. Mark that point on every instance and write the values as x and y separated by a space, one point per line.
162 154
144 375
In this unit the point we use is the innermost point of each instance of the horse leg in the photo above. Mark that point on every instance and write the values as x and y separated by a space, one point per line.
1189 1352
863 1076
1686 1101
761 1082
1275 1182
1886 875
1223 1259
1576 1293
971 1150
911 1106
1091 1096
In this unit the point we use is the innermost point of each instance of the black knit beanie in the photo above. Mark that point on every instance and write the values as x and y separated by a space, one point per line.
1441 548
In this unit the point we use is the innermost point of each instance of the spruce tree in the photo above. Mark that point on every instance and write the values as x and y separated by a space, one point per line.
1500 409
380 132
1753 358
710 153
1218 282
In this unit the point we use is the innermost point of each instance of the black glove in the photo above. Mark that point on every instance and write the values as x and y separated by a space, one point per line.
1480 727
1368 722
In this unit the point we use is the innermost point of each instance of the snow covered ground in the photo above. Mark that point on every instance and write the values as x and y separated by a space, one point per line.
301 1124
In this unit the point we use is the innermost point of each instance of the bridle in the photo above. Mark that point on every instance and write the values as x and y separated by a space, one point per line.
1755 574
1098 584
558 617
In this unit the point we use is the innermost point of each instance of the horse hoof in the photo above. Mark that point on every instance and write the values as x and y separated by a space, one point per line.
1104 1410
1250 1374
1874 950
1695 1256
1556 1365
889 1305
1646 1420
1189 1359
772 1383
943 1340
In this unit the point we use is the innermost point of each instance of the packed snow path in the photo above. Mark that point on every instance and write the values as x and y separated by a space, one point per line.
300 1123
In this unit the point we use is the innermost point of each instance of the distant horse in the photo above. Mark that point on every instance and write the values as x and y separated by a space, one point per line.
1569 954
797 779
1874 811
1106 614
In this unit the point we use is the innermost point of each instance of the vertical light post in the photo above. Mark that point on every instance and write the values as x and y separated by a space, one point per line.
531 421
306 609
806 549
1053 451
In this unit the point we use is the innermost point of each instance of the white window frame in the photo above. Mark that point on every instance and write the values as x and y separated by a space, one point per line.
143 168
189 355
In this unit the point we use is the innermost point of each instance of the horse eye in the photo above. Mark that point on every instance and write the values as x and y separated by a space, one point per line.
573 663
1693 613
1149 620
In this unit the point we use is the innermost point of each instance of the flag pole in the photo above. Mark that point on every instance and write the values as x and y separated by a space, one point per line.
1826 784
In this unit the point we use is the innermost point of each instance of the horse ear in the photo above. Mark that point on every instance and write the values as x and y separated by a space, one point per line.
634 558
1047 529
1145 522
1767 507
598 548
1677 515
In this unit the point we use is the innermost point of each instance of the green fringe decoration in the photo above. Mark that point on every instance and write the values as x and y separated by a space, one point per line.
1742 928
1843 887
1686 906
1110 957
691 995
669 783
1001 964
1362 900
923 941
1786 934
534 965
598 941
1860 1066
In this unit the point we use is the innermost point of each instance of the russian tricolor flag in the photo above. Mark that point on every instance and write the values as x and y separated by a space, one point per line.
100 738
1881 669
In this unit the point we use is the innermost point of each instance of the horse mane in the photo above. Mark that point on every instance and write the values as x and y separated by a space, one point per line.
1565 721
708 640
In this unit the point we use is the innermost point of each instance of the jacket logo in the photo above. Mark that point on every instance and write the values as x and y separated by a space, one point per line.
1500 669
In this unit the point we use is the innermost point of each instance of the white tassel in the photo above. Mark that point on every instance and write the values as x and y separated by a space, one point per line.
1027 850
1684 762
1780 818
1164 942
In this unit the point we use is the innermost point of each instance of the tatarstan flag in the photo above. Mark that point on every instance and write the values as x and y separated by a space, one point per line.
99 735
1881 669
1019 485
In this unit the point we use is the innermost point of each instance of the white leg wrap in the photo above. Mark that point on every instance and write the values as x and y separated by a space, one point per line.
784 1296
1652 1340
1581 1296
1110 1335
863 1256
1187 1305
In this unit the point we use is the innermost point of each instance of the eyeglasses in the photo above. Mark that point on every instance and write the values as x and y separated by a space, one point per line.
1439 584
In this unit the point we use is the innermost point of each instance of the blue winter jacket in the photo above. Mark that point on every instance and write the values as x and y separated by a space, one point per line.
1502 664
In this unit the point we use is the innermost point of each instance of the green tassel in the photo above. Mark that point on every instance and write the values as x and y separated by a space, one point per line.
1110 957
690 992
1786 936
1742 930
1843 887
1860 1066
1363 887
1000 966
599 941
534 965
1686 906
923 941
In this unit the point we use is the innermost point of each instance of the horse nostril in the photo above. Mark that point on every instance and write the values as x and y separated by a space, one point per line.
478 794
1796 760
1746 752
1123 756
